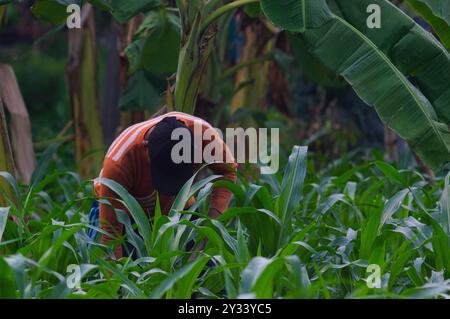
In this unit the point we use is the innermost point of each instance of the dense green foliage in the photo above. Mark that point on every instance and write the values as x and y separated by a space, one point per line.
304 232
406 85
316 229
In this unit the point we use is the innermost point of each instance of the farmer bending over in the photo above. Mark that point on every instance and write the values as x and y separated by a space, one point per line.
140 160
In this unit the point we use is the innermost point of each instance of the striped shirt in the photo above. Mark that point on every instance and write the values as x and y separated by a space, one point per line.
127 163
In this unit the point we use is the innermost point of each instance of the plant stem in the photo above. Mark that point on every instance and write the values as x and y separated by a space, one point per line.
222 10
234 69
63 140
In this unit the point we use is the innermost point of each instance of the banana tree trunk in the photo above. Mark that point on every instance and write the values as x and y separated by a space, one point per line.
192 62
21 136
6 160
111 85
196 44
279 86
2 16
252 81
199 29
81 77
132 117
244 80
390 145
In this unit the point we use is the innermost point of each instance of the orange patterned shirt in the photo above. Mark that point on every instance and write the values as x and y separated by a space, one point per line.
127 163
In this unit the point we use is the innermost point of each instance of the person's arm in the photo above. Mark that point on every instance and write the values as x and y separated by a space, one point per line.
220 196
108 219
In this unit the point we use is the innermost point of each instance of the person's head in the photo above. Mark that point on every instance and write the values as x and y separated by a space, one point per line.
168 177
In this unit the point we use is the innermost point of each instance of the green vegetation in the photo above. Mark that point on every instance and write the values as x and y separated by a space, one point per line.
369 190
303 233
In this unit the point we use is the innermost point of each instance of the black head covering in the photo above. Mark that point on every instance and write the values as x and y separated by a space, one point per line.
168 177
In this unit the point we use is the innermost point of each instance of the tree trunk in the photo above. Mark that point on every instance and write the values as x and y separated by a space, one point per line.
252 82
22 142
111 86
2 16
132 117
279 86
196 47
422 167
6 160
390 145
82 81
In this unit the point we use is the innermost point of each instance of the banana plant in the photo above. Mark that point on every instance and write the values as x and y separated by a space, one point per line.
400 69
2 15
419 114
81 73
437 14
6 159
166 43
380 64
198 18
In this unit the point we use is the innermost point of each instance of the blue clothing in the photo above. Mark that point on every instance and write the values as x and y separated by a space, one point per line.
93 220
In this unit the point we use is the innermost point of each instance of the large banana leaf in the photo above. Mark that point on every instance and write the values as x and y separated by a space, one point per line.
52 11
414 51
123 10
379 83
157 44
153 55
437 14
295 15
376 62
312 67
143 92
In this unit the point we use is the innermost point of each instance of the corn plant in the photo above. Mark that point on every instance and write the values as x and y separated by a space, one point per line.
302 233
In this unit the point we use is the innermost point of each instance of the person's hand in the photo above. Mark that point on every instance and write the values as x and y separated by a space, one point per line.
199 248
214 213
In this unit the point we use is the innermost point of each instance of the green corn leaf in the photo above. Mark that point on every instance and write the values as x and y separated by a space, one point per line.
258 276
187 270
184 288
393 205
18 265
12 181
398 265
7 281
444 207
441 247
370 233
240 211
3 220
292 185
125 281
188 190
43 165
134 208
135 240
390 172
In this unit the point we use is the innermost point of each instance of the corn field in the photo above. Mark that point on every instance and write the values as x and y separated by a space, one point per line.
300 234
360 205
